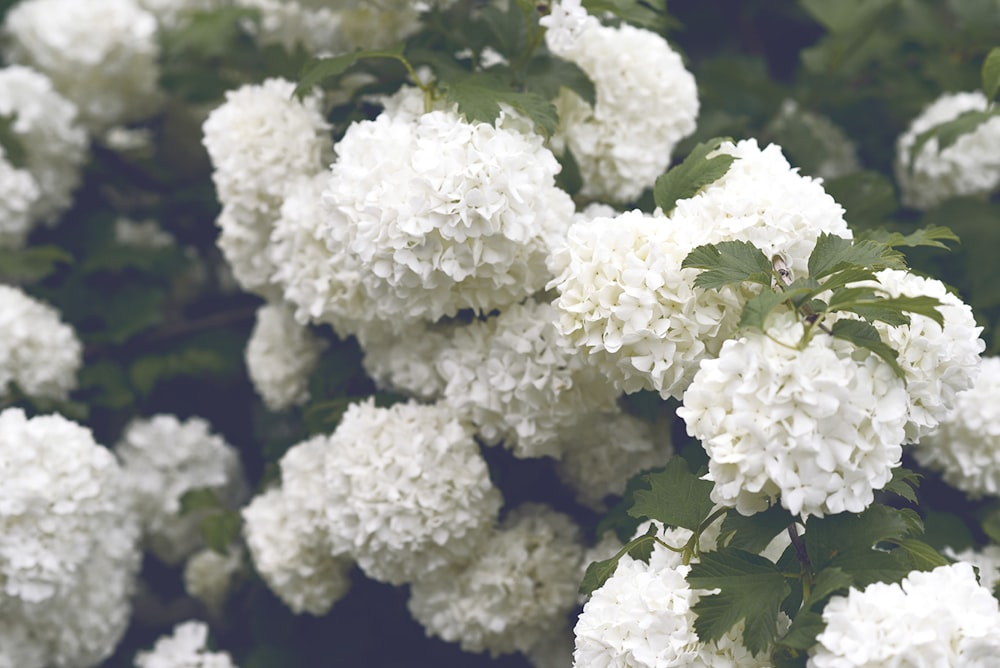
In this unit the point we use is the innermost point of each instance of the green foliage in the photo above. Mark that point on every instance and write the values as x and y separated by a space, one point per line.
904 483
31 264
199 499
220 529
863 335
728 262
320 71
598 572
991 74
638 13
868 198
547 75
833 253
694 173
754 533
479 97
675 497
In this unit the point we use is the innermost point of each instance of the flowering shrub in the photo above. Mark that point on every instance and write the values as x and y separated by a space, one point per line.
463 333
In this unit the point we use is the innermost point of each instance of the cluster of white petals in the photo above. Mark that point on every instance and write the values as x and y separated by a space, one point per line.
407 490
19 194
406 361
624 299
186 648
100 54
564 23
280 355
970 166
38 351
937 618
513 594
515 378
55 146
163 459
831 152
813 425
966 445
646 102
443 214
210 576
293 24
69 545
985 560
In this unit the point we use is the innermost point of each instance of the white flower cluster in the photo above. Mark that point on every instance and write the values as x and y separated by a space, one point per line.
69 548
172 14
813 426
966 445
280 355
831 152
100 54
164 458
985 560
513 594
38 352
646 102
186 648
970 166
515 379
937 618
564 23
55 146
210 576
406 362
292 24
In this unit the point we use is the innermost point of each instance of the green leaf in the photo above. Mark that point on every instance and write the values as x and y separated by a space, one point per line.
923 556
842 14
642 550
991 73
839 279
943 530
12 148
208 34
758 307
694 173
828 582
756 532
833 253
31 264
868 566
826 538
890 309
752 589
637 13
991 526
547 75
867 197
949 132
569 178
927 236
904 483
597 574
480 95
104 383
802 633
676 497
863 335
199 499
728 262
319 70
221 529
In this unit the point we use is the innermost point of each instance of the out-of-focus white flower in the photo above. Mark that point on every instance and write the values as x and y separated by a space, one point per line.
937 618
186 648
970 166
209 576
38 351
814 426
280 355
165 458
407 490
986 560
513 594
406 361
19 193
831 151
100 54
646 102
172 14
142 234
966 445
294 24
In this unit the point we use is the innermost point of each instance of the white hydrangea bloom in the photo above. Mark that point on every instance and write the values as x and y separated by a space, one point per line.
172 14
407 490
646 102
513 594
443 214
365 24
165 458
69 549
815 426
185 648
100 54
142 234
986 560
210 576
293 24
832 153
624 298
518 382
966 445
969 166
280 355
37 350
406 361
937 618
19 194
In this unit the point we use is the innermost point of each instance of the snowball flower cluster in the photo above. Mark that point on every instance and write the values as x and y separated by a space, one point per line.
831 153
186 648
69 548
100 54
812 425
985 560
280 355
406 362
38 351
292 24
513 594
970 166
18 194
163 459
937 618
966 445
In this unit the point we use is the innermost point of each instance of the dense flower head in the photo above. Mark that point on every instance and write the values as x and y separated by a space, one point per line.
163 459
280 355
407 490
831 152
518 382
966 445
937 618
812 425
19 194
100 54
443 214
970 166
38 351
986 561
210 576
646 102
293 24
185 648
406 362
624 298
513 594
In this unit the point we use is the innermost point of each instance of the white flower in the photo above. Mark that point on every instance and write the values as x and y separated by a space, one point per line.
407 490
406 361
142 234
986 560
100 54
646 101
209 576
624 298
970 166
293 24
937 618
813 426
280 355
966 445
186 648
37 351
831 152
516 380
566 20
165 458
513 594
19 195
